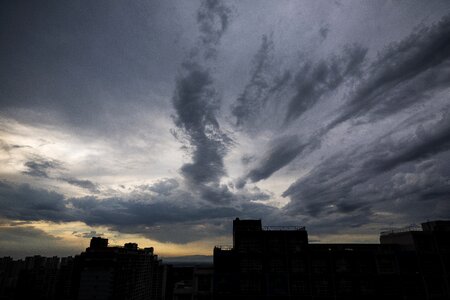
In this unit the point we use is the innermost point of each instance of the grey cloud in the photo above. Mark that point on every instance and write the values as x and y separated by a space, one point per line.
83 59
282 152
254 194
43 167
213 18
403 73
182 233
421 59
24 202
247 158
196 105
156 219
147 210
216 193
327 185
134 215
312 81
255 94
87 235
9 147
324 30
82 183
429 143
40 167
164 186
384 176
22 241
220 193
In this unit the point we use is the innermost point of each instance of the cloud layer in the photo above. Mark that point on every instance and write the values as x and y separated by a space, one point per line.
165 120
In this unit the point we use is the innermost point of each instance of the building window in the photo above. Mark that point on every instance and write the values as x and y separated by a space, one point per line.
345 286
342 265
250 265
299 287
321 287
298 265
386 265
276 265
319 266
250 285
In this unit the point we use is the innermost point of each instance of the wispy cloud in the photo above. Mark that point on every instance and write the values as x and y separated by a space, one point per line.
388 175
261 86
403 74
312 81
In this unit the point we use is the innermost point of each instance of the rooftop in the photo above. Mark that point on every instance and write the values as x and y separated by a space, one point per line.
284 228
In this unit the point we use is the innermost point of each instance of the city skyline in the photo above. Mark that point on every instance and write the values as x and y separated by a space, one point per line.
158 122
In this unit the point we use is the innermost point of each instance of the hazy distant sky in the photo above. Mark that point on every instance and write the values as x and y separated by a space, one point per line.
159 122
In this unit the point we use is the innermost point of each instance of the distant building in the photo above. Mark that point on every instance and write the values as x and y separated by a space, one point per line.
425 252
126 272
192 283
37 278
9 276
279 263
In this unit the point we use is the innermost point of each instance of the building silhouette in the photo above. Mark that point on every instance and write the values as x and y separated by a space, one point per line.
35 277
263 263
191 283
280 263
103 272
126 272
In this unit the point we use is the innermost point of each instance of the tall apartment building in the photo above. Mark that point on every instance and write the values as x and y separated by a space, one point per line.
279 263
126 272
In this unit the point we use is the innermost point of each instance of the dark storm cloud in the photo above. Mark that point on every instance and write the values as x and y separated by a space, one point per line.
216 193
75 63
40 167
312 81
164 186
24 202
403 74
384 176
213 18
427 144
179 218
142 214
358 183
196 105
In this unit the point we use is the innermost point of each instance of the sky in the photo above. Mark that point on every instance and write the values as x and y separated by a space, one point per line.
159 122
